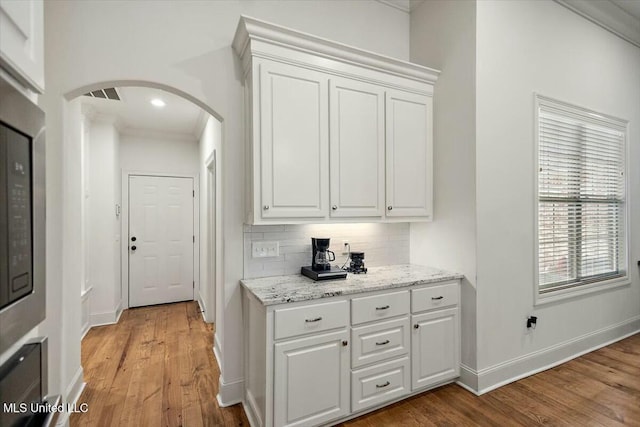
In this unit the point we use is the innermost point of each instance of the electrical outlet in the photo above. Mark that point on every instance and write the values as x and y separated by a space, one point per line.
346 248
265 249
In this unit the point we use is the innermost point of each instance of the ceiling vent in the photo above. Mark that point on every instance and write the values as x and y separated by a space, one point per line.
107 93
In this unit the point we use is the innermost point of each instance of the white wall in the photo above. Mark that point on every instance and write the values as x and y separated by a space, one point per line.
210 140
443 37
185 46
143 151
525 47
103 237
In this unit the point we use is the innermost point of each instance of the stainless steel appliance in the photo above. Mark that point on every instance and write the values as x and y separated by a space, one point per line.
22 215
321 257
23 385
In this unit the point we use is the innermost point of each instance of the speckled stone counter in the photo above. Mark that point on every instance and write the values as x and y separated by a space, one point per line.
296 287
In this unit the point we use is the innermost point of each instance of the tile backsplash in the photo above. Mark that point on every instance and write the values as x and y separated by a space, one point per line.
382 244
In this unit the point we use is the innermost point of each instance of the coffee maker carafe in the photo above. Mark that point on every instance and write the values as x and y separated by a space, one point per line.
321 255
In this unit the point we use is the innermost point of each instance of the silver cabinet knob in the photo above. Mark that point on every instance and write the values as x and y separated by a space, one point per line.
265 207
334 207
389 208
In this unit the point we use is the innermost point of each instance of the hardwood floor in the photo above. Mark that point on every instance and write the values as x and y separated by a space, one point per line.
156 368
601 388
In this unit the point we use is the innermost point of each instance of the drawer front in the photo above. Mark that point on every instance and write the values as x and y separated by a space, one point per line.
434 297
379 383
379 341
378 307
291 322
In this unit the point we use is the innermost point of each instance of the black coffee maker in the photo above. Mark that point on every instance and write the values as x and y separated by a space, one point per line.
321 257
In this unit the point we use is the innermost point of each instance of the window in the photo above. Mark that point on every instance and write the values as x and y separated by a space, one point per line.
582 237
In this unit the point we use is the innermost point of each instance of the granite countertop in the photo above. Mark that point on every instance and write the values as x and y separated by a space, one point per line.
296 287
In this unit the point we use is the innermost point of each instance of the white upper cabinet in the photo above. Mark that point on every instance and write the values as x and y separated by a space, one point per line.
409 155
357 149
334 133
22 40
294 142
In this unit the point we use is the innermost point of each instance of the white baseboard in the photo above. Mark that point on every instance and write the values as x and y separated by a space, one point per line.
217 351
107 318
71 396
468 379
119 311
250 409
203 309
84 330
229 393
487 379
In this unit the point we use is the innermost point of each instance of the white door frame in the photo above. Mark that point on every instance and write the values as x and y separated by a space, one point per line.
124 271
214 236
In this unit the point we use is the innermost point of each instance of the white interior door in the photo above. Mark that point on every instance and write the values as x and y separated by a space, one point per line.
161 240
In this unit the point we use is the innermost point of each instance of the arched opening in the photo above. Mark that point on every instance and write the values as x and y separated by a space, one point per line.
98 184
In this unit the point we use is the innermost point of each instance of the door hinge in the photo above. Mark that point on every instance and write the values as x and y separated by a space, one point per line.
194 285
193 193
194 239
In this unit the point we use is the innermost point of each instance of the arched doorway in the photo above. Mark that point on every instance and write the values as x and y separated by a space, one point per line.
74 195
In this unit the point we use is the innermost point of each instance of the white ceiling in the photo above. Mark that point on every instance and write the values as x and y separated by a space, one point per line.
632 7
135 112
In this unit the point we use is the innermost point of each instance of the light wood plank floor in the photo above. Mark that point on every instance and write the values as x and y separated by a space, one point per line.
156 368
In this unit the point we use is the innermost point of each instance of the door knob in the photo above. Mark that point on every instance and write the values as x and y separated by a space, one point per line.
133 248
133 239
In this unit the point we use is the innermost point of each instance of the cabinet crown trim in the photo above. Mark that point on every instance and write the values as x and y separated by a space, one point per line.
251 29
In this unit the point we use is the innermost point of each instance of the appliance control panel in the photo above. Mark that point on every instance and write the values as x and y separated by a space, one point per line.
15 218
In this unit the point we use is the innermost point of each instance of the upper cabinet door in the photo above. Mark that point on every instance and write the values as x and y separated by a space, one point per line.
409 155
21 41
294 146
356 149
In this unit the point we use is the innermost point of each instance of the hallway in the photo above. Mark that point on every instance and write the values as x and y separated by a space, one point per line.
154 368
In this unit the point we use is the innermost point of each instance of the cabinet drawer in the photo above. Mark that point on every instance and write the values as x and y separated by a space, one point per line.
434 297
290 322
379 383
367 309
379 341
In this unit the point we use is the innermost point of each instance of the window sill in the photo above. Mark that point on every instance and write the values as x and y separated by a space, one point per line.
578 291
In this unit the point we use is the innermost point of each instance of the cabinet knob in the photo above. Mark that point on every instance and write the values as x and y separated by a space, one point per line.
416 326
345 343
265 207
334 207
389 208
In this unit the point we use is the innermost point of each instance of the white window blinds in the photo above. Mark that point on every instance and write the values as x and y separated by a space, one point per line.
581 197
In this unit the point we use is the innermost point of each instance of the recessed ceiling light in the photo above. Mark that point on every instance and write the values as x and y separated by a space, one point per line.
157 102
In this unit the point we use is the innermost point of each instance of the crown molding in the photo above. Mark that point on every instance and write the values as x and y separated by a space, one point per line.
607 15
402 5
253 37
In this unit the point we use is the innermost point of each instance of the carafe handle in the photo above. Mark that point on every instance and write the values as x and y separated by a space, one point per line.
332 257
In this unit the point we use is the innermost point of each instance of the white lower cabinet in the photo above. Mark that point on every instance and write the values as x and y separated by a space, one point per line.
311 383
321 362
435 354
